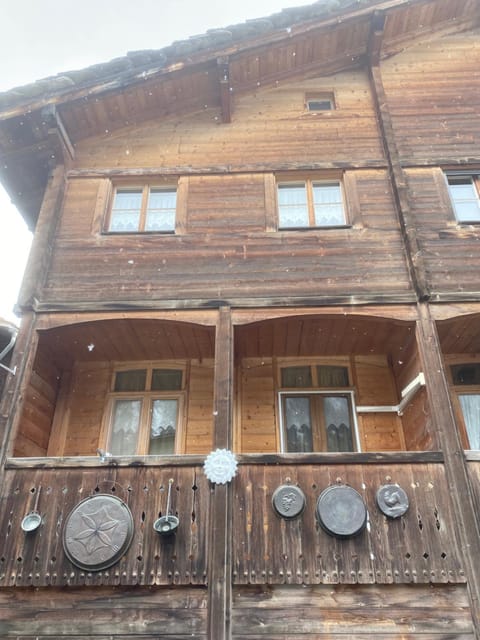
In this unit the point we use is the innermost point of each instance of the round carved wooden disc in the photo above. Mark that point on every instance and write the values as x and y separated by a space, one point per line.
341 511
288 501
97 533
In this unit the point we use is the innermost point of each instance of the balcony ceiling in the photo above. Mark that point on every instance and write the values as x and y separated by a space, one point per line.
460 335
129 340
325 336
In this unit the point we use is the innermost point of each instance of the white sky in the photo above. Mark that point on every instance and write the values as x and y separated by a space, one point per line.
40 38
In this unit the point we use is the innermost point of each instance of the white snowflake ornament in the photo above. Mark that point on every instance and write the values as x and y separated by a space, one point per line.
220 466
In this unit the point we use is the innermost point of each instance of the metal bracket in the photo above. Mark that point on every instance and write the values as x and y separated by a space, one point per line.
12 371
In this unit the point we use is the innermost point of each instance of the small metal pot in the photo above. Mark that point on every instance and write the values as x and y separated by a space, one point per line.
166 525
31 522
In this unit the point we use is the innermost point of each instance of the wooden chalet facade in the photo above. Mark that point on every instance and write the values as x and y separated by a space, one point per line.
264 239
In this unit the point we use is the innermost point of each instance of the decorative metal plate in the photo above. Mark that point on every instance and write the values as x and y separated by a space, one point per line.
97 533
341 511
392 500
288 501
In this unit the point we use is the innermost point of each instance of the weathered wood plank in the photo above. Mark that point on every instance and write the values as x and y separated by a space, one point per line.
359 635
462 505
421 88
40 255
380 457
357 611
219 545
96 612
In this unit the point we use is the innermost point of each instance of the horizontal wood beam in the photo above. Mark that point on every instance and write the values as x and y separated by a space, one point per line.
391 312
91 306
247 316
184 460
466 163
446 312
80 462
202 317
325 459
221 169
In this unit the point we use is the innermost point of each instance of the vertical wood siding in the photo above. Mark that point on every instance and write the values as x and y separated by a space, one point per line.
419 547
39 560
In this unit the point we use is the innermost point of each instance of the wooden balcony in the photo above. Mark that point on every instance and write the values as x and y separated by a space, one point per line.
419 547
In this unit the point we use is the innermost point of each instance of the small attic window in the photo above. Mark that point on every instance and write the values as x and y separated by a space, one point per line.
320 102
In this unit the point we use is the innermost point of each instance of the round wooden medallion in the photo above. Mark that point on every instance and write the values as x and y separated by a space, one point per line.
392 500
341 511
288 501
97 533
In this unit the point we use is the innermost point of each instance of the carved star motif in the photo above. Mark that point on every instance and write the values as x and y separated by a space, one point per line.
98 532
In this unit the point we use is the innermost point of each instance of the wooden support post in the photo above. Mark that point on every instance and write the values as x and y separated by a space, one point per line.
456 471
41 251
219 553
15 385
223 392
413 253
225 89
57 133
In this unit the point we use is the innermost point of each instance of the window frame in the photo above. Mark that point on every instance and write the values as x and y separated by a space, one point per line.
147 396
462 390
474 178
308 183
320 96
146 189
316 390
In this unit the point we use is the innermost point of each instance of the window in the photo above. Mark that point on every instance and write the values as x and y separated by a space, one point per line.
144 411
464 194
324 101
466 380
310 203
320 416
142 209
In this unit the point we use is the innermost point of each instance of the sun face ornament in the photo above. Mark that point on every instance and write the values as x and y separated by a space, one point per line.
220 466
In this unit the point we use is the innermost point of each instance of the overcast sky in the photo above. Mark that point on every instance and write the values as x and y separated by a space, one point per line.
40 38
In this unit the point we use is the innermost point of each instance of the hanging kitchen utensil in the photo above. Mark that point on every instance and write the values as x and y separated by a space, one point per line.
167 525
32 520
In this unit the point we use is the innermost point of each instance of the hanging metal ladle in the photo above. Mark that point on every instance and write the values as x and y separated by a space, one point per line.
32 520
167 525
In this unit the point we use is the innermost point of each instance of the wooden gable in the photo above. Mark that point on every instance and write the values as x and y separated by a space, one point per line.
209 72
